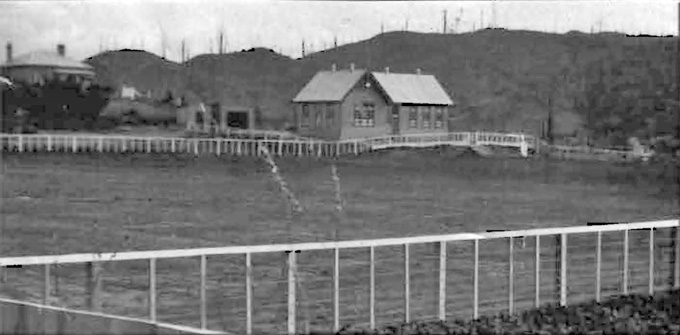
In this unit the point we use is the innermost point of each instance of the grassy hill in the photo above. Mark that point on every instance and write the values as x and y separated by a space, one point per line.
502 80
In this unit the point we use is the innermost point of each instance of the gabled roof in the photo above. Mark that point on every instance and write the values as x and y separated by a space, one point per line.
47 58
420 89
400 88
329 86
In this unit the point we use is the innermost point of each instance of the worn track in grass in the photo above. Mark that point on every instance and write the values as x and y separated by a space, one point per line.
63 203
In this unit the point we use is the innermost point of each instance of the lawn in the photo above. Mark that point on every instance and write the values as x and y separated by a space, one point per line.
137 202
66 203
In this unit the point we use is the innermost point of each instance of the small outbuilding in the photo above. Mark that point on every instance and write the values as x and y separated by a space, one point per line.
354 103
204 117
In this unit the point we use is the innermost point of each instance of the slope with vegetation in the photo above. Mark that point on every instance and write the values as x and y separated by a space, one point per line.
609 86
634 314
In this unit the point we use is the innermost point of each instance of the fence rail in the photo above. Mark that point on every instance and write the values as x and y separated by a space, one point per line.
320 286
236 146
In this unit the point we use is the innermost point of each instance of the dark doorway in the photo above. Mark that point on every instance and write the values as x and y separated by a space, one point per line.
215 112
238 120
395 120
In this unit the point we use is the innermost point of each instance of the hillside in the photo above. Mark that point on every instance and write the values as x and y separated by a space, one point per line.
501 80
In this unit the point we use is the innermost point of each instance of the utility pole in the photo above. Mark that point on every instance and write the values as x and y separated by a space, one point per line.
221 46
183 51
303 48
458 18
445 27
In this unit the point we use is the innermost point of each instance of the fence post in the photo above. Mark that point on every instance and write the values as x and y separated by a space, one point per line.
563 270
651 261
336 290
475 285
676 261
625 260
372 287
94 285
442 280
204 316
598 266
46 287
49 143
511 278
75 143
249 295
537 272
152 289
407 284
291 293
218 145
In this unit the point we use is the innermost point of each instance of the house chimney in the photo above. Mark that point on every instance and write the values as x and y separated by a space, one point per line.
8 49
351 67
61 50
418 71
334 68
387 70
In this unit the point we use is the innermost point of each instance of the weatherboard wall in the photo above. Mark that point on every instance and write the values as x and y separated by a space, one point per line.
319 125
404 122
359 95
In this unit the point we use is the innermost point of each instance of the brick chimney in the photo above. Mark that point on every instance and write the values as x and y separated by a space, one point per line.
8 49
61 50
351 67
387 70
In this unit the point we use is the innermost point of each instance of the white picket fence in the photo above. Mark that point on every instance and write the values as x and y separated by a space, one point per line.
236 146
325 285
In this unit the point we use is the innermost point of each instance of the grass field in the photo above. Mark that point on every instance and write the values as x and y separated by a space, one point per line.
65 203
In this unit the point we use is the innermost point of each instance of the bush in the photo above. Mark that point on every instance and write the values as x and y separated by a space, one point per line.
632 314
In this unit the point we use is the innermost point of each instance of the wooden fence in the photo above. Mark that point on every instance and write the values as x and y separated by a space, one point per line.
22 318
237 146
322 286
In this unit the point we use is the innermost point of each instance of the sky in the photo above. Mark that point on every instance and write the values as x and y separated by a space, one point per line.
87 27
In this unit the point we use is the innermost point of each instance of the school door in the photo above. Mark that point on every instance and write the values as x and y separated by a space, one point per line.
395 120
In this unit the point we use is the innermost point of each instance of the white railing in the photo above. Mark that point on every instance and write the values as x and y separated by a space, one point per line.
235 146
566 151
441 276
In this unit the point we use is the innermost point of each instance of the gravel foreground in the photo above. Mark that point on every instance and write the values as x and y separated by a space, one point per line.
631 314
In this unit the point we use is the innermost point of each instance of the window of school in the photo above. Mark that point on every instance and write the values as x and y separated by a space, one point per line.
426 117
318 114
412 117
304 119
364 115
330 115
439 117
